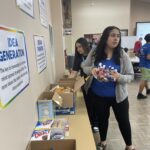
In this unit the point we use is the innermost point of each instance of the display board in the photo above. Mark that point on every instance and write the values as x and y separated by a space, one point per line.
40 53
26 6
142 28
14 71
43 13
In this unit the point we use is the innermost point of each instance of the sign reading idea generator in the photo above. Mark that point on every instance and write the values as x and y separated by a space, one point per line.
14 71
40 53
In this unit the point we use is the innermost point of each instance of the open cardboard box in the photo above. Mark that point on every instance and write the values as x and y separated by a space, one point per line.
74 83
67 98
68 144
68 101
68 104
46 104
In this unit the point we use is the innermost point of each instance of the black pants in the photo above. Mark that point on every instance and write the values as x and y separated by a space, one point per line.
90 107
121 110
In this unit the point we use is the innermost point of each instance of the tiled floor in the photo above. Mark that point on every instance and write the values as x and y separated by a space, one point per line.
140 123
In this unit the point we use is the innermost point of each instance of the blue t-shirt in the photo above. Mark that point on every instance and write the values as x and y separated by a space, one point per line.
145 50
105 89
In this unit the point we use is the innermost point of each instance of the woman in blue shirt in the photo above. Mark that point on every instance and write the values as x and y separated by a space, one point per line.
145 68
110 69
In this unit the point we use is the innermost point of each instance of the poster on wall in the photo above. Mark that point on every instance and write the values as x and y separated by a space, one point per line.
14 70
40 53
26 6
67 14
43 13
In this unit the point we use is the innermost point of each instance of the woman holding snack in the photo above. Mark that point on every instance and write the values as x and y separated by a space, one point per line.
110 70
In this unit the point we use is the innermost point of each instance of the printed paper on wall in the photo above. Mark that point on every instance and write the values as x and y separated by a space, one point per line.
14 70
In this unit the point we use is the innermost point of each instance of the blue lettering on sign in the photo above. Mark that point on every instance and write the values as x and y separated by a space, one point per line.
12 42
40 48
39 42
11 54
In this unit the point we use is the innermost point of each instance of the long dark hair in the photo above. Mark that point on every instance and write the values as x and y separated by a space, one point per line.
100 50
85 45
147 38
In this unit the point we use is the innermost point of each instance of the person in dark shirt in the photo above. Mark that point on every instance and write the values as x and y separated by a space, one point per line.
81 51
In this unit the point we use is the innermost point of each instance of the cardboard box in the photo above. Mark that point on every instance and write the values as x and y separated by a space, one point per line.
68 144
67 98
65 111
68 101
74 83
46 104
46 109
68 104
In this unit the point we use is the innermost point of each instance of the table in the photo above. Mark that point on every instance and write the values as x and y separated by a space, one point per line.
135 59
79 126
135 62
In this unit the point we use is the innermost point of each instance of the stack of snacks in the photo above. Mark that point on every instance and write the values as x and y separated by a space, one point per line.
105 74
42 130
59 129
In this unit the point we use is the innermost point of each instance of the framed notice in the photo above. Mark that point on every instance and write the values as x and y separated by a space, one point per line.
43 13
14 70
67 15
40 53
26 6
124 32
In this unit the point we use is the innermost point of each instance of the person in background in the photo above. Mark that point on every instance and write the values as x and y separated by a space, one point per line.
82 49
137 46
110 69
145 68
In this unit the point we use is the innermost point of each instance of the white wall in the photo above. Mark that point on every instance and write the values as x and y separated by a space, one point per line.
140 12
58 37
68 44
87 19
19 118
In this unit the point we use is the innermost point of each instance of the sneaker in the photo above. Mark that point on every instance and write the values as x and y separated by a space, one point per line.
101 146
141 96
95 129
148 92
